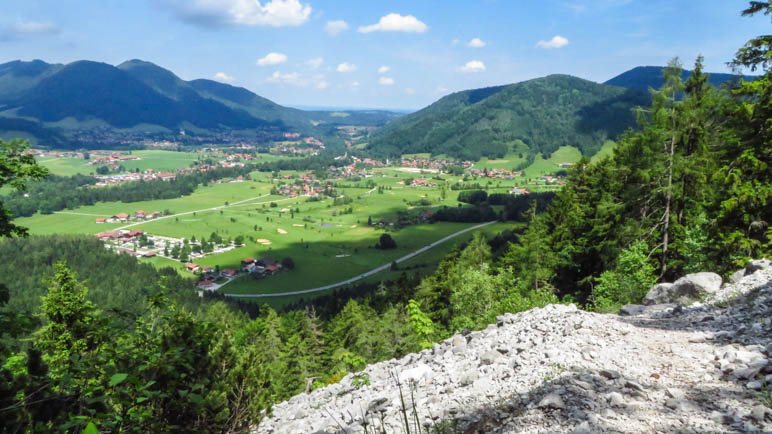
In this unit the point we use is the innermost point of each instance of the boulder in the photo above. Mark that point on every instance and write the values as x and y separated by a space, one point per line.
737 276
697 285
684 290
659 294
755 265
553 400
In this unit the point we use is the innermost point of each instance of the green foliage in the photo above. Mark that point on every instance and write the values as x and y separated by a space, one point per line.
487 122
16 170
627 282
421 324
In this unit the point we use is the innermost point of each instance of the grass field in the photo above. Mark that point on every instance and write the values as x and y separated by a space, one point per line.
328 243
606 151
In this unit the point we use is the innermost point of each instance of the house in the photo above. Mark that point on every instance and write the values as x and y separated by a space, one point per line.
193 268
247 261
122 217
207 270
149 255
140 215
266 262
518 191
101 220
228 273
204 283
155 214
104 236
271 269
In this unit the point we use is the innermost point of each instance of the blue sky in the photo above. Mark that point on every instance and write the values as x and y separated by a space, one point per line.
368 53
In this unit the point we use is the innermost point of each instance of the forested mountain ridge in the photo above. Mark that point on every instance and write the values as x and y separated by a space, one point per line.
36 96
534 116
643 78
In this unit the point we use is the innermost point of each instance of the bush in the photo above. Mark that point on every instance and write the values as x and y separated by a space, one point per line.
386 242
627 283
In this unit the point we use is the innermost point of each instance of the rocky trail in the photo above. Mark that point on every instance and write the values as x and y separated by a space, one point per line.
699 368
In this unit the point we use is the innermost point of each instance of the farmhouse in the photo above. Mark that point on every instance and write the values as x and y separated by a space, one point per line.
101 220
121 217
140 215
228 273
205 283
104 236
518 191
193 268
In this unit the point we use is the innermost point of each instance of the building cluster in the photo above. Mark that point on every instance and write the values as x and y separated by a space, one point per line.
517 191
433 163
303 185
347 171
125 217
120 178
494 173
420 182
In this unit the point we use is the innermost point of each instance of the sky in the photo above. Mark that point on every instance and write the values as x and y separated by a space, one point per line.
394 54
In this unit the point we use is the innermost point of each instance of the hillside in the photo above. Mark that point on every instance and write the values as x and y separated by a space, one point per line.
48 102
537 116
559 369
643 78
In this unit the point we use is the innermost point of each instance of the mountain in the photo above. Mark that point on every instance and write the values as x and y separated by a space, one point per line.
643 78
56 103
534 116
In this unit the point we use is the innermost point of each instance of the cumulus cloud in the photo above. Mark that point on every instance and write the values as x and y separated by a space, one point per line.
384 69
396 23
409 91
335 27
272 59
355 84
321 84
473 66
221 76
219 13
315 62
557 41
386 81
346 67
476 43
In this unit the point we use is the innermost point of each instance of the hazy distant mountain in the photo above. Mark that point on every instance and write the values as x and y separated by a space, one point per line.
533 116
643 78
37 98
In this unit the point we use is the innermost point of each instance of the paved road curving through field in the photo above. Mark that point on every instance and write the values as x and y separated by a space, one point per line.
369 273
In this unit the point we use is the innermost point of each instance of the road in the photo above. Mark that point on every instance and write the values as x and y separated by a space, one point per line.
369 273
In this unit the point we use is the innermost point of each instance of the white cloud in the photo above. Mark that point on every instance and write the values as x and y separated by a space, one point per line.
34 27
355 84
476 43
346 67
386 81
218 13
288 78
409 91
272 59
335 27
295 79
454 42
315 62
396 23
384 69
473 66
441 89
221 76
557 41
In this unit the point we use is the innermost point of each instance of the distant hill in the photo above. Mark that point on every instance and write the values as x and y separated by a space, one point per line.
534 116
47 102
643 78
